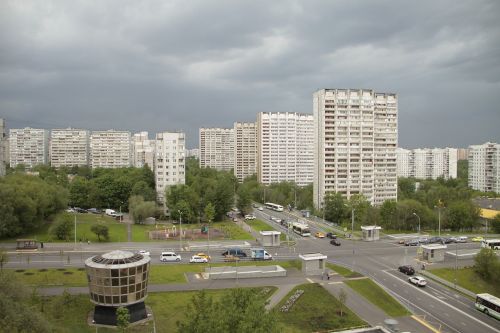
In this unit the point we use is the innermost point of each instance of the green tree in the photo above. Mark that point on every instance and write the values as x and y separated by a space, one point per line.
4 259
140 209
209 212
495 224
463 215
143 189
122 318
79 192
101 231
360 205
244 202
487 265
388 214
334 206
63 227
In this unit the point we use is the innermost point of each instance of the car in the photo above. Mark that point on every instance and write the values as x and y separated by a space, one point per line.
418 280
477 239
412 242
407 269
319 234
169 256
70 210
94 211
144 253
401 241
462 239
237 252
203 255
435 240
249 217
198 259
261 208
79 210
423 240
335 242
448 240
331 235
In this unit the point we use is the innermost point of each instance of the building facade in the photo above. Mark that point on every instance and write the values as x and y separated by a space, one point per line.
484 167
285 150
3 148
245 150
217 148
427 163
110 149
143 150
69 147
462 154
28 146
356 135
169 161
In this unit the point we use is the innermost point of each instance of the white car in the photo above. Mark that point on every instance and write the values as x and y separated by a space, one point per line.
249 217
169 256
198 259
261 208
144 253
418 281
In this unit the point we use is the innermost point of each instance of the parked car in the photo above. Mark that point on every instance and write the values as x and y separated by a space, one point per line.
237 252
249 217
204 255
448 240
170 256
198 259
94 211
477 239
418 281
144 253
462 239
261 208
434 240
335 242
407 269
79 210
412 242
319 234
401 241
423 240
331 235
70 210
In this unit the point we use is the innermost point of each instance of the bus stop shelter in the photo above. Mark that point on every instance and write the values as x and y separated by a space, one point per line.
313 263
432 252
371 233
270 238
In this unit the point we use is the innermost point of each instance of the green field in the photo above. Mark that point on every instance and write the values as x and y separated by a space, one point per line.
259 225
316 310
159 274
468 279
345 272
379 297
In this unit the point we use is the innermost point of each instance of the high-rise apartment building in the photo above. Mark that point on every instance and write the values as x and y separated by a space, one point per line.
3 148
69 147
245 150
169 161
285 147
427 163
462 153
28 146
217 148
356 135
110 149
143 150
484 167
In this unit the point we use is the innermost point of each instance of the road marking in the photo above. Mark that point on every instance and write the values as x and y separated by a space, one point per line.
454 308
339 282
426 324
308 279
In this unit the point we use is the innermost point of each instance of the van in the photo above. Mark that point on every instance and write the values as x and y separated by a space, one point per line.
237 252
110 212
169 256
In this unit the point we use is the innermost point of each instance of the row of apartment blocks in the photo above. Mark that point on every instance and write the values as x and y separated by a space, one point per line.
427 163
165 155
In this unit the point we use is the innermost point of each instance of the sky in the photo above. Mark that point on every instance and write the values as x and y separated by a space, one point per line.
180 65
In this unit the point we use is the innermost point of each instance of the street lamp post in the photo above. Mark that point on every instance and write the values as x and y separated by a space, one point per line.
75 230
439 220
418 222
180 228
352 236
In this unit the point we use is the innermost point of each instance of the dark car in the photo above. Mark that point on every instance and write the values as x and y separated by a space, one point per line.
335 242
435 240
331 235
94 211
412 242
407 269
236 252
448 240
79 210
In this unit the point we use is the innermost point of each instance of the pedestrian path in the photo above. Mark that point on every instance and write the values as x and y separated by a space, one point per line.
282 291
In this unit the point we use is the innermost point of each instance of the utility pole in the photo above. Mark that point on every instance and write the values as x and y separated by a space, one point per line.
180 227
418 222
75 231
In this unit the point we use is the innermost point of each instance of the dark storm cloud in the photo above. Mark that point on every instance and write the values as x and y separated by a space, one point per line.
163 65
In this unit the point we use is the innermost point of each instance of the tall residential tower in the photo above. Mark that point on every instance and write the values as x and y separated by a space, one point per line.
217 148
484 167
245 150
28 146
69 147
169 161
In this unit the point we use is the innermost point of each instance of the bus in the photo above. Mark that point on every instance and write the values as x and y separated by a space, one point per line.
301 229
493 244
274 206
488 304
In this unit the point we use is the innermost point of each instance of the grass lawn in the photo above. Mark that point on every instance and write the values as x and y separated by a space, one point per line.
168 308
159 274
468 279
379 297
345 272
259 225
316 310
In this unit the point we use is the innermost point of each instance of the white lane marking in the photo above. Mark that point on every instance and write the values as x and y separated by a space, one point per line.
310 281
454 308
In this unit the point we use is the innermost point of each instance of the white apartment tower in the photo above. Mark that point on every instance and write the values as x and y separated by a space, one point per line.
169 161
3 148
110 149
69 147
427 163
143 150
245 150
28 146
356 135
217 148
285 147
484 167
